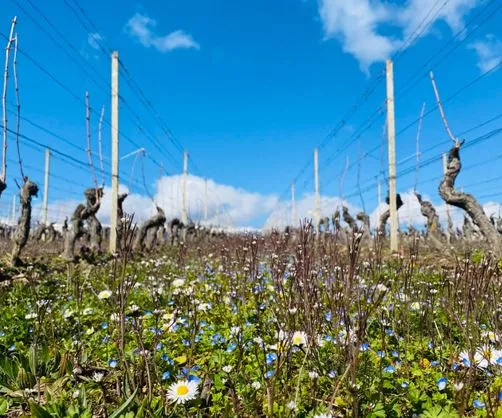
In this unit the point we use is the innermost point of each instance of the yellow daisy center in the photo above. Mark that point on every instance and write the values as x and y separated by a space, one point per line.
297 340
182 390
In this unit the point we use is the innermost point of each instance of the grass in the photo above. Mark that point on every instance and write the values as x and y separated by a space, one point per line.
276 326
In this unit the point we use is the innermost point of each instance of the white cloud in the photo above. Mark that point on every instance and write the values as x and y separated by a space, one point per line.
143 27
362 26
93 40
489 52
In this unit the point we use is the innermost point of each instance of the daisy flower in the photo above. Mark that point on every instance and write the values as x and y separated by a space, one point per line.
182 391
299 338
104 294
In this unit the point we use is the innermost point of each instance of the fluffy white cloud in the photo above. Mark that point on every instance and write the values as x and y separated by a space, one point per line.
362 26
142 28
93 40
489 52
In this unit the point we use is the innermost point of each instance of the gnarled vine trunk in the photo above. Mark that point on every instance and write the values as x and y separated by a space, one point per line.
151 224
432 224
384 217
22 234
347 217
466 201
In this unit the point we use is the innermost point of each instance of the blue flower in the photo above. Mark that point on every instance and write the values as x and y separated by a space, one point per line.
270 358
231 347
404 384
2 333
434 363
193 378
113 363
159 346
390 332
328 316
394 353
332 374
381 354
364 347
389 369
269 374
104 325
441 383
430 345
166 375
500 396
478 404
12 347
105 339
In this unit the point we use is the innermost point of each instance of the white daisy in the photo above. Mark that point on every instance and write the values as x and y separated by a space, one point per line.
178 283
183 391
104 294
299 338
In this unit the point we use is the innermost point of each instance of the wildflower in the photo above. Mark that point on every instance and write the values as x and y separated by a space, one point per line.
104 294
32 315
313 374
292 311
441 383
87 311
381 287
291 405
256 385
332 374
404 384
166 375
364 347
478 404
113 363
98 376
270 358
182 391
299 338
269 374
323 416
177 283
457 386
68 313
389 369
227 369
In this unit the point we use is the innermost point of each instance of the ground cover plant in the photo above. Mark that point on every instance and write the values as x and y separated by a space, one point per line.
283 325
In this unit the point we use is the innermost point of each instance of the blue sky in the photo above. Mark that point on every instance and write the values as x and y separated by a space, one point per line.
250 88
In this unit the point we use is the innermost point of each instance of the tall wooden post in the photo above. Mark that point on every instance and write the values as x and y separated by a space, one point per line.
205 200
115 152
46 186
184 216
391 135
293 205
317 209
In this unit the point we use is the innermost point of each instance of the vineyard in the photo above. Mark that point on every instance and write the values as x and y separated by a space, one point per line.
133 291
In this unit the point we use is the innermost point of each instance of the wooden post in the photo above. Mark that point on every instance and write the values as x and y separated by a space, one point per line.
115 152
184 217
317 209
205 200
293 205
46 186
391 135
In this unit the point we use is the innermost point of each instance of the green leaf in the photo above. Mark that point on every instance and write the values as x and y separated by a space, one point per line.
124 406
4 406
38 412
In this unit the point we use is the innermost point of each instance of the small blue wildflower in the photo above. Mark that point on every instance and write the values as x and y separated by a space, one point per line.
159 346
148 313
394 354
441 383
113 363
500 396
434 363
269 374
12 347
2 333
430 345
186 343
455 366
104 325
193 378
166 375
328 316
328 338
389 369
404 384
390 332
231 347
478 404
381 354
270 358
364 347
466 362
332 374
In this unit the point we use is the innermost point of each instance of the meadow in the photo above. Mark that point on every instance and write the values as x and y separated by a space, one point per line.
280 325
